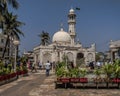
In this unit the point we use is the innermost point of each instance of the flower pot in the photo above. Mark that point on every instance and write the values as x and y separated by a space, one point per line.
65 80
116 80
74 80
18 72
13 75
83 80
1 78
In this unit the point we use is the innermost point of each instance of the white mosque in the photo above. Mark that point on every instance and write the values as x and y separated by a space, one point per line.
64 44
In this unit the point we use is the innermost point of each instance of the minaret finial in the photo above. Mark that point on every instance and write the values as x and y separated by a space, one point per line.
61 25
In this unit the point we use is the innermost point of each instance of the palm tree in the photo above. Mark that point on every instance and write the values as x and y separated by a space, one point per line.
45 38
11 29
4 5
4 8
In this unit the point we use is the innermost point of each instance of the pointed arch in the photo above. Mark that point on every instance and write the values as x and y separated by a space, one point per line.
47 57
80 59
70 56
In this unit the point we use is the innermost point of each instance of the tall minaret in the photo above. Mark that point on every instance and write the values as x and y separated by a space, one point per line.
71 24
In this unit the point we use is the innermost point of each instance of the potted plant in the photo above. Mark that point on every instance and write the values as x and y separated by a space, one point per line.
62 75
108 71
74 75
24 70
83 73
98 78
116 72
18 70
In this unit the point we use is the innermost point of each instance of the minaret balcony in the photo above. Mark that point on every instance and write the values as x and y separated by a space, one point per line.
71 21
72 33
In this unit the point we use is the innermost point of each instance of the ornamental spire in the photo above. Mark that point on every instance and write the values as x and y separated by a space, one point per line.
61 26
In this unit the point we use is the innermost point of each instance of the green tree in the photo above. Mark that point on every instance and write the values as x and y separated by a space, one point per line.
4 8
11 29
45 38
100 56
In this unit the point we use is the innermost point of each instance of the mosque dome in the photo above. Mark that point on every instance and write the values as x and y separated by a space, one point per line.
61 37
71 10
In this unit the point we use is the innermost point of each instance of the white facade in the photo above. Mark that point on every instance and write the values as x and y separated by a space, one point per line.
63 44
114 49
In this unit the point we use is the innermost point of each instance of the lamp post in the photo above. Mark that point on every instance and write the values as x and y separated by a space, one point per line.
16 43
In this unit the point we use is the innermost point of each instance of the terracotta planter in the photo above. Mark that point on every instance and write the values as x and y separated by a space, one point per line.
116 80
83 80
18 72
1 78
74 80
64 80
13 75
8 76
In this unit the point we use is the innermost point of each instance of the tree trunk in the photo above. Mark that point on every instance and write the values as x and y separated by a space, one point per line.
7 40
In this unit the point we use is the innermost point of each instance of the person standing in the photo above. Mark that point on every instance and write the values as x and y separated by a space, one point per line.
47 67
34 67
98 65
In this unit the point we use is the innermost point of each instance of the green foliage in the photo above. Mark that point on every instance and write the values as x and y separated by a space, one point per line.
112 70
60 64
24 68
116 69
97 72
83 72
18 68
62 72
108 70
80 62
117 62
4 71
1 65
44 38
23 59
10 67
1 72
7 71
75 72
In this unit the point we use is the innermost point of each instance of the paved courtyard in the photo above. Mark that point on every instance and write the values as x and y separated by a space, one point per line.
37 84
48 89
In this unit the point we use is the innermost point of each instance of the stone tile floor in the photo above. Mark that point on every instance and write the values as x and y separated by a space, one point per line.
48 89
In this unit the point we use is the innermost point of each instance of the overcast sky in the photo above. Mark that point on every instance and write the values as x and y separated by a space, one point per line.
98 21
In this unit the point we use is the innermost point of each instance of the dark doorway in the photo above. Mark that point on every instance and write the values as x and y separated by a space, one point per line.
80 59
80 55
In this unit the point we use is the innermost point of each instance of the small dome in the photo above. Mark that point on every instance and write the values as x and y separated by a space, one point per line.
112 46
71 10
61 37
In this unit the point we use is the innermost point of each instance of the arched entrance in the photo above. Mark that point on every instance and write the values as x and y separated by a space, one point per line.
46 57
90 57
70 56
80 59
